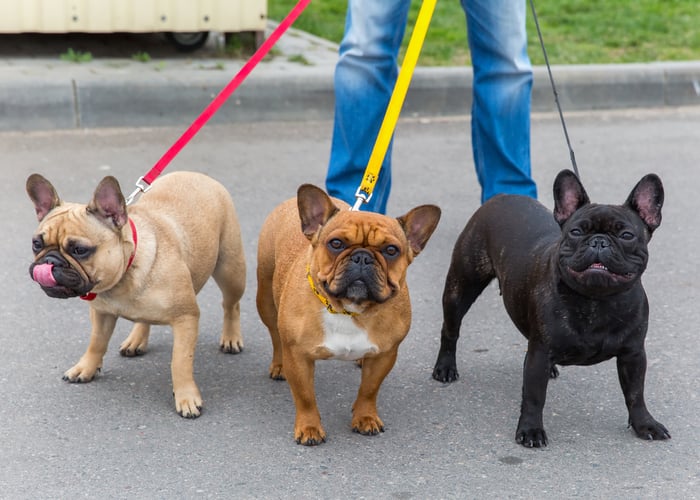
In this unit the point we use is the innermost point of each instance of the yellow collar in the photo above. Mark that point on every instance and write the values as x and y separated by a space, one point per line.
323 299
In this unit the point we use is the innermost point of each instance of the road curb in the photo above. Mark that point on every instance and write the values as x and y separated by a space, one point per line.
60 97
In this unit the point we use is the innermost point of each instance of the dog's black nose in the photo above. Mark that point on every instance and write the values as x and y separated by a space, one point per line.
362 257
599 242
53 258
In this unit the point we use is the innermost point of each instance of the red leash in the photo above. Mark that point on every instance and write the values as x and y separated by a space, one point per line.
144 182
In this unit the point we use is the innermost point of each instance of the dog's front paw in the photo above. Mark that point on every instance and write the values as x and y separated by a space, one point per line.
531 438
310 435
445 369
81 373
188 403
650 429
367 425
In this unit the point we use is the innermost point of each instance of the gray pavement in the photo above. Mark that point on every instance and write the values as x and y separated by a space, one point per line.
119 437
40 91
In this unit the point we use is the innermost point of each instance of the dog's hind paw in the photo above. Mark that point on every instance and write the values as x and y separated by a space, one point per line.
650 430
136 344
129 351
187 409
276 372
231 347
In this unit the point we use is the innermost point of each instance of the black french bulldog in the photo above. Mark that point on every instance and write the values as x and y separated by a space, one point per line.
571 284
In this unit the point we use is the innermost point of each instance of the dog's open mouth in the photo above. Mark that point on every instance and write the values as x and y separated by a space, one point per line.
600 269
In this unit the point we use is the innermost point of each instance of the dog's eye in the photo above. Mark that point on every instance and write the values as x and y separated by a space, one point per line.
78 251
37 244
336 244
576 232
392 251
627 236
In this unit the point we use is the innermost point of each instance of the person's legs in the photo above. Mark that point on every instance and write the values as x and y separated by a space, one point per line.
364 80
501 101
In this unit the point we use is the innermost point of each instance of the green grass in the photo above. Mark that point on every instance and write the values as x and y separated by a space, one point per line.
574 31
143 57
76 56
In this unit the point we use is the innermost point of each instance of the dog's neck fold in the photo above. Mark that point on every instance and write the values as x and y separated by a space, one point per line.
134 235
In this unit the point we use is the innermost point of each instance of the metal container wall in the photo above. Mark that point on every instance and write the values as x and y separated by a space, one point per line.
137 16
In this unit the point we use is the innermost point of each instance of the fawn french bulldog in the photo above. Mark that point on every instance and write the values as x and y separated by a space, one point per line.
146 264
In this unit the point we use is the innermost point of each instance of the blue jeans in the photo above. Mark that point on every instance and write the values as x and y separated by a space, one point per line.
364 79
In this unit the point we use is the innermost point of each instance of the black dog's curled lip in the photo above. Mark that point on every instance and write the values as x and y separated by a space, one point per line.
600 268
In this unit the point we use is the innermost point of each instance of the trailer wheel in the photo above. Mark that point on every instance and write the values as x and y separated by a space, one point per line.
187 42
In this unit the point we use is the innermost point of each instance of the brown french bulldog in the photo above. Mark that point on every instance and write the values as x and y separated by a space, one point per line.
332 285
146 265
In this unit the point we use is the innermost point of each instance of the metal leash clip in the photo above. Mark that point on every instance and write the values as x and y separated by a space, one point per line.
362 197
141 187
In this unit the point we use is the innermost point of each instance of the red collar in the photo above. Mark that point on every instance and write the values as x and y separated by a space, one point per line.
91 296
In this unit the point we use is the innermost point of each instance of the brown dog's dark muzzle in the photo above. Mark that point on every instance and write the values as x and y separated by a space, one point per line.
360 281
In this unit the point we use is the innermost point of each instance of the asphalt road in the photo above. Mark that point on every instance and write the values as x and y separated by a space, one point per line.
119 436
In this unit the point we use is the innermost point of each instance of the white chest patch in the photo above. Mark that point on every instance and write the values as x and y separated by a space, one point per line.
345 339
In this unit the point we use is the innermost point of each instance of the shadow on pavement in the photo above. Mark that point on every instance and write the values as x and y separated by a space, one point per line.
114 45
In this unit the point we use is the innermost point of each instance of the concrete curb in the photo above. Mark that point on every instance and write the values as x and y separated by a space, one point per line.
447 91
36 95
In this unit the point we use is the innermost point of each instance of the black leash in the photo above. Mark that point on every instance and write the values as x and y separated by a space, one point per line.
554 89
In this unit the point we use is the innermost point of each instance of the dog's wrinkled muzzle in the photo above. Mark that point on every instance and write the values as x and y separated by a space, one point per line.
361 280
57 279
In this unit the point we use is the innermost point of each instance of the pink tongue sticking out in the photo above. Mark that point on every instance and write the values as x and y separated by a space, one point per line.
43 275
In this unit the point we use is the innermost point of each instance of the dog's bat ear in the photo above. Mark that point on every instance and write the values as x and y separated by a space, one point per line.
419 224
646 199
315 208
108 203
569 196
43 194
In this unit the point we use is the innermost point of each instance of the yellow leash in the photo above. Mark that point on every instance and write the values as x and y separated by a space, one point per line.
374 165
